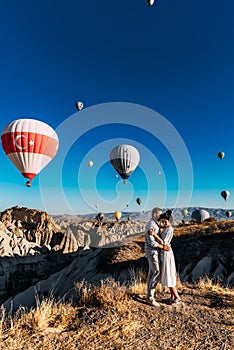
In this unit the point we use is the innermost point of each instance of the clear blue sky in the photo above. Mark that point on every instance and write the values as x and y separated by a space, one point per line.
175 58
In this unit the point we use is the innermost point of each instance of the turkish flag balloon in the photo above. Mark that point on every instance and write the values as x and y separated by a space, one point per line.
30 144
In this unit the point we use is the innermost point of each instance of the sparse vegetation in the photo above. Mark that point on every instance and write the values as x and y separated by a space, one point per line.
209 226
114 316
210 219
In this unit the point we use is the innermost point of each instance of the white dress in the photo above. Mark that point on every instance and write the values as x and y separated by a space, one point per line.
168 268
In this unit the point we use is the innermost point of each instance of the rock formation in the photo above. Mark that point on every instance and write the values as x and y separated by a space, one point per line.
45 257
88 266
26 231
205 250
33 247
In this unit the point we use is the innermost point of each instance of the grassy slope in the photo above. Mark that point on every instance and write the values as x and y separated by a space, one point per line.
116 317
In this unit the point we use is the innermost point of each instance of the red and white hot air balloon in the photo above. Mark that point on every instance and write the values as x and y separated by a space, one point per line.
228 214
30 145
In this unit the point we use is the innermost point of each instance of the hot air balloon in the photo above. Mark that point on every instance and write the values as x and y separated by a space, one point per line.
200 215
225 194
117 215
100 217
124 159
90 164
159 172
184 212
150 2
30 145
221 155
79 105
228 214
139 201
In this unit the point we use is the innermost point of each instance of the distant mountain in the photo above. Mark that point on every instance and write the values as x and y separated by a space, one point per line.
144 216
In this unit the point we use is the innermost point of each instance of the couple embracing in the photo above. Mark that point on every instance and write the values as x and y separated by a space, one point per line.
160 256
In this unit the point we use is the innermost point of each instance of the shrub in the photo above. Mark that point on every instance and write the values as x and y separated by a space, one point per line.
107 293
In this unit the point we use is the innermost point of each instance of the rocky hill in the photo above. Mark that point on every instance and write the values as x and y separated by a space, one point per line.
33 246
73 251
26 231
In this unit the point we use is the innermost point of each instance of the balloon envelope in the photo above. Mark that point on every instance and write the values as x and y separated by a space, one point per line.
200 215
184 212
90 163
117 215
100 216
79 105
221 155
225 194
139 201
30 145
124 159
228 214
150 2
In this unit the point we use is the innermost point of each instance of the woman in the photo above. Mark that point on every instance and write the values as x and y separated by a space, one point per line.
168 268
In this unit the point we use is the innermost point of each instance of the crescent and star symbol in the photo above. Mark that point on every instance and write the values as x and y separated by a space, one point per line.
31 142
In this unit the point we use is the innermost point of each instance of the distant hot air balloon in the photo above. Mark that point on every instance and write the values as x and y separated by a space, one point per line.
79 105
200 215
117 215
184 212
228 214
100 217
150 2
124 159
30 145
90 164
225 194
139 201
221 155
159 172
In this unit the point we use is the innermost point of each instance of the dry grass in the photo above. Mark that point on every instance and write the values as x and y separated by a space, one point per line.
113 316
137 282
205 228
208 285
109 293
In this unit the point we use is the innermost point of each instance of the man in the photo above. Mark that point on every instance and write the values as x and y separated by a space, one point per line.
153 244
